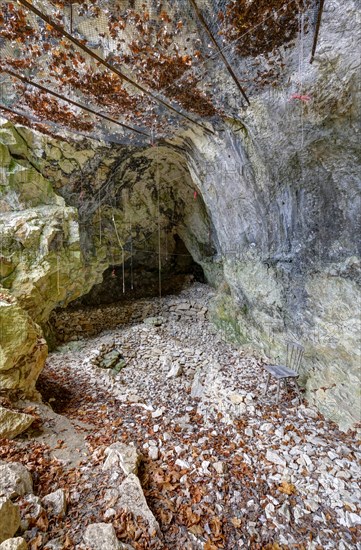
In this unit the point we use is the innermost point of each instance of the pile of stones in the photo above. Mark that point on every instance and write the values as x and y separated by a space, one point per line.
76 324
186 310
123 461
20 509
107 356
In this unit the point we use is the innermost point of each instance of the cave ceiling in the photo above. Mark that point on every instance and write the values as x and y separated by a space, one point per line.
134 72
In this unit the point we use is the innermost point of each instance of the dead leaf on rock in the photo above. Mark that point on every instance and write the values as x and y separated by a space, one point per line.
196 530
216 526
42 522
287 488
36 543
68 543
210 546
236 522
165 516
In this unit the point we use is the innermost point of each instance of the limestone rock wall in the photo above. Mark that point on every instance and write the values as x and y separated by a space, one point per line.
68 210
42 264
41 260
283 188
269 207
23 349
130 202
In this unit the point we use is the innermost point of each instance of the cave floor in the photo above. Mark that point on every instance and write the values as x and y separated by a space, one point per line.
222 466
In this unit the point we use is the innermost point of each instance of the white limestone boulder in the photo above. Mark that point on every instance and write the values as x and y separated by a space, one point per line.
120 455
17 543
15 480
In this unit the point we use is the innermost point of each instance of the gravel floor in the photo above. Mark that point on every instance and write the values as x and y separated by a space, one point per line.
223 467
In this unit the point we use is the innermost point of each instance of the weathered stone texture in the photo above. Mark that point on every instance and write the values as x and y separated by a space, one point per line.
9 519
23 350
15 480
17 543
269 207
13 423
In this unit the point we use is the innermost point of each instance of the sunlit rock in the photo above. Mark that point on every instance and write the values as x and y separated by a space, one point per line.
23 349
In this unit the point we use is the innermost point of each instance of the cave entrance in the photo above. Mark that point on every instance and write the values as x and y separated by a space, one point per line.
141 276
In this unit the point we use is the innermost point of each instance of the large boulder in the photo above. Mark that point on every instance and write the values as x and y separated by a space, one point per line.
23 350
13 423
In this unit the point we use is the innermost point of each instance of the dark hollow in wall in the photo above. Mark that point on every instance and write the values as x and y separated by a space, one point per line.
141 277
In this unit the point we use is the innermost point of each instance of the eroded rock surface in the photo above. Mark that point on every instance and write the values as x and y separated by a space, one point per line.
15 480
17 543
13 423
23 349
268 206
56 503
44 263
101 536
133 500
9 519
122 456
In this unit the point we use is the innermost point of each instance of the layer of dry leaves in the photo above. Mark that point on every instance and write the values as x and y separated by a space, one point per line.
195 509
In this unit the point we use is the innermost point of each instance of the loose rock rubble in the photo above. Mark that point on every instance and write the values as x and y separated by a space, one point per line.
72 325
108 356
183 449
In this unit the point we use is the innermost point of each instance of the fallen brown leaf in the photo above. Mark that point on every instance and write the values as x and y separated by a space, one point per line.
236 522
287 488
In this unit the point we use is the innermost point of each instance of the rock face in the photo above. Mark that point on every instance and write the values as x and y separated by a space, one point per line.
285 210
23 351
13 423
41 260
60 238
